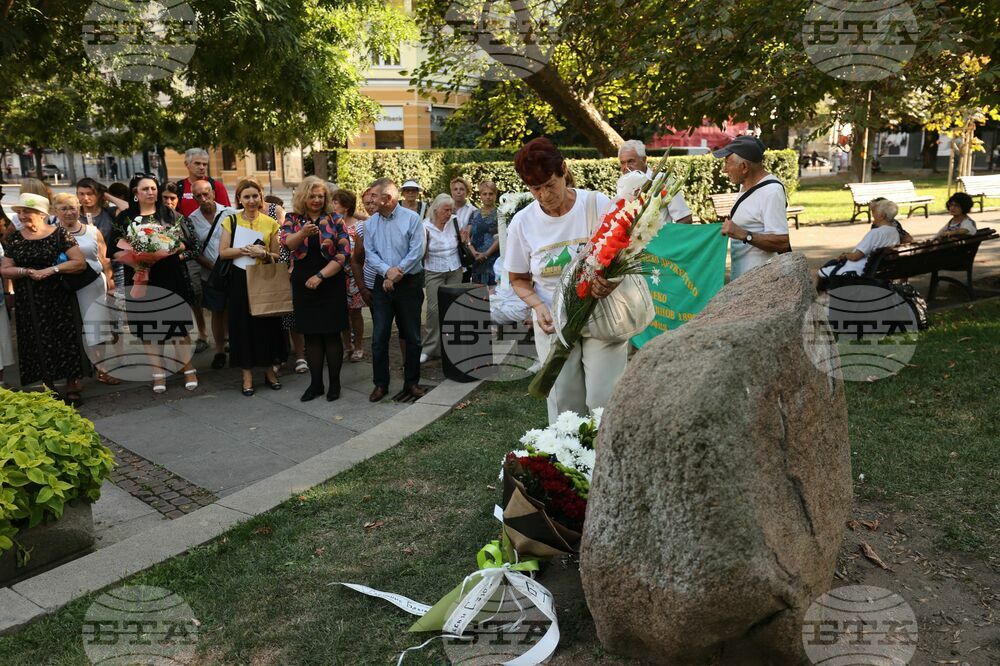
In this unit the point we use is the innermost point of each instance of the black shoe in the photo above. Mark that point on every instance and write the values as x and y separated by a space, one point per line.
248 392
333 394
219 361
274 386
311 393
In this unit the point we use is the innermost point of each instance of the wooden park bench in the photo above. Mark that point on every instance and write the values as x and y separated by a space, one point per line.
980 187
723 203
932 256
897 191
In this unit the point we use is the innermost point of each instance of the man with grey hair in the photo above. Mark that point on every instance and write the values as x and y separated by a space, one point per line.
196 161
394 247
757 222
632 157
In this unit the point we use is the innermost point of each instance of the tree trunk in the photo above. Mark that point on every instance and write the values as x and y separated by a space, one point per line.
861 168
36 155
777 138
928 153
579 113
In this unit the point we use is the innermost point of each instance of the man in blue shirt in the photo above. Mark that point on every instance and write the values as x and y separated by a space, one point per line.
394 247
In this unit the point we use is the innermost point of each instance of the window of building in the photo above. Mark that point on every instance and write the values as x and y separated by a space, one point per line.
384 60
265 160
228 159
388 139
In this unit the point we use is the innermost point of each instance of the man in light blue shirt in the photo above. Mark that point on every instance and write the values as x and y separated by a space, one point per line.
394 247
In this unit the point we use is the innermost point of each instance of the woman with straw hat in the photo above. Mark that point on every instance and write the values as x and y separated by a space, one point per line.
48 335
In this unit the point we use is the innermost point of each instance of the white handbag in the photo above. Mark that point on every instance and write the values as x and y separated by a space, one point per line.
625 313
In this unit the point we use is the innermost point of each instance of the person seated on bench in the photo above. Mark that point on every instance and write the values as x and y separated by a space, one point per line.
960 224
904 236
882 234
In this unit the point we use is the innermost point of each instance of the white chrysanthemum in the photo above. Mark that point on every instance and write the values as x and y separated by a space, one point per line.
569 423
532 436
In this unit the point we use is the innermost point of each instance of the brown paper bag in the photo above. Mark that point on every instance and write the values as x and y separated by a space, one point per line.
269 290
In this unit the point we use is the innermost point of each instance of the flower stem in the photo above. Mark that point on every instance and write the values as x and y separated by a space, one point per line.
546 378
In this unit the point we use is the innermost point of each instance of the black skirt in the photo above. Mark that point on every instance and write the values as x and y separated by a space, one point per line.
320 311
254 342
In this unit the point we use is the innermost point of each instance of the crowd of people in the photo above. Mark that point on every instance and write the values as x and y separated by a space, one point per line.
389 249
62 250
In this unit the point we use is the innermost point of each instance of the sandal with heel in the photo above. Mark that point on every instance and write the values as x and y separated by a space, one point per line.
159 388
191 384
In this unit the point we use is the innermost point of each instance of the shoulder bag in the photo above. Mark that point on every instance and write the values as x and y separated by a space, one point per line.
464 253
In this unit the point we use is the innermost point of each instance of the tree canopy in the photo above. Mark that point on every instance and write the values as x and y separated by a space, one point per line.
638 66
281 73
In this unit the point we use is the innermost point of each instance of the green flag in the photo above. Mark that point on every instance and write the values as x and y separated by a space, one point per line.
688 266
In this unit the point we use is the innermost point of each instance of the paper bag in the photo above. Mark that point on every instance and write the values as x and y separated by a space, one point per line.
269 290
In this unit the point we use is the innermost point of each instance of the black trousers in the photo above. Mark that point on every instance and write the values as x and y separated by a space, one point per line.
404 304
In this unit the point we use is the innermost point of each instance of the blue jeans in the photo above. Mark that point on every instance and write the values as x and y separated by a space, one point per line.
404 304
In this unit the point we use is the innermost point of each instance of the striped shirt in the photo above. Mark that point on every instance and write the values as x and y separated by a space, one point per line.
369 270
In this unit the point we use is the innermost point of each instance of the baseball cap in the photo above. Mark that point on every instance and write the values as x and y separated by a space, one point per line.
748 147
411 184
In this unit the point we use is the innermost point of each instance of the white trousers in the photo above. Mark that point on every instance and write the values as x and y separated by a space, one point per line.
589 376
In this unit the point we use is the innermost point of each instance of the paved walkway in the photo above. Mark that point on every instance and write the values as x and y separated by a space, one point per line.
192 447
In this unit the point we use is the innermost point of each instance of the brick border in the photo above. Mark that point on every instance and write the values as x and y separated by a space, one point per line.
156 486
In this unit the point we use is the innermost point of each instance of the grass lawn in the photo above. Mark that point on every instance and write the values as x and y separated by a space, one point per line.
925 440
827 200
929 438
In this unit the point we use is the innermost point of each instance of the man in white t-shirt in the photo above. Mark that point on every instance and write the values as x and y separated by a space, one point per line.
632 157
758 224
543 238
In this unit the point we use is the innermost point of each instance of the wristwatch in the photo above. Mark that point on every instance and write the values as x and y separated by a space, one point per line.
56 269
320 275
749 239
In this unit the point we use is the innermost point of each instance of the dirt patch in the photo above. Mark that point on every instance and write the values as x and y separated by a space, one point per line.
956 598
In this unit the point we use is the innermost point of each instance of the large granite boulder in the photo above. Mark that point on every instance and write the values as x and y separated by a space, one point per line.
722 484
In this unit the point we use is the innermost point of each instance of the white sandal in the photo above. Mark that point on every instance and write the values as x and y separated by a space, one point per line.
159 388
192 384
301 366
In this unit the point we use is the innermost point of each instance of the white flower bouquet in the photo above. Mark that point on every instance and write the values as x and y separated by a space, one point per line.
546 485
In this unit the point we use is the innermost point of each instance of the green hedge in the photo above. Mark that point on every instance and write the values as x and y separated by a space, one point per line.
355 169
703 174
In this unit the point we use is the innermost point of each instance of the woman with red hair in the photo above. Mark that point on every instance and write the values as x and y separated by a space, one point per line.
542 239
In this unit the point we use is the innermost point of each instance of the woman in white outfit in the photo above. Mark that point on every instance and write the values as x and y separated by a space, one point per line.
542 240
91 242
442 265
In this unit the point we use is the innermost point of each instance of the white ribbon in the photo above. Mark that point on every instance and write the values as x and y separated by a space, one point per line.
472 603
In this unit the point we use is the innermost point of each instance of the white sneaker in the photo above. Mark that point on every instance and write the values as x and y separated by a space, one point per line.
424 358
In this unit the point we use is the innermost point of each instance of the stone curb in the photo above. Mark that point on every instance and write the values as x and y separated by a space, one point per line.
46 593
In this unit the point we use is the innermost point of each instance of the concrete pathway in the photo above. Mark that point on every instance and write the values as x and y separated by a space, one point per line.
222 441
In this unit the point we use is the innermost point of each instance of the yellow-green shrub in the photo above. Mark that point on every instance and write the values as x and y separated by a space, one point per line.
49 455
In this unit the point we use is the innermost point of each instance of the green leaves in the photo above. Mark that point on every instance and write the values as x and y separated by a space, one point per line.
49 455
